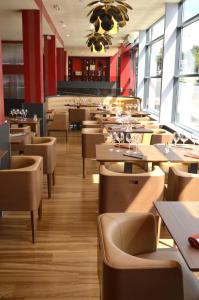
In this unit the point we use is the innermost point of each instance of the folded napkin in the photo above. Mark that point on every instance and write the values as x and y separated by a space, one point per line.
194 240
125 146
135 155
192 154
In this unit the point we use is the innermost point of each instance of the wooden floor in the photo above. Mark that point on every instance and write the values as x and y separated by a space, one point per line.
62 264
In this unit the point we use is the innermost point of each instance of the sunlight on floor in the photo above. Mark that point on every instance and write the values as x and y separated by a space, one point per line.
95 178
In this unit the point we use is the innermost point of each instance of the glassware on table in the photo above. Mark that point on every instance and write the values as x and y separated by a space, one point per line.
194 139
110 139
183 138
119 136
136 140
176 138
129 138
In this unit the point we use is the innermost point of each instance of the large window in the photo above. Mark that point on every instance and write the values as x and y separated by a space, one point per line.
187 108
154 66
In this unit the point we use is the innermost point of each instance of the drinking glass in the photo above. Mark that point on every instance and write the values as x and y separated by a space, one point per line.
136 140
110 139
129 137
120 138
176 138
183 138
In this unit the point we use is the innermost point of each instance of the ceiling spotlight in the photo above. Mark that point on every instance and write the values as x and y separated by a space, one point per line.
56 7
68 35
63 26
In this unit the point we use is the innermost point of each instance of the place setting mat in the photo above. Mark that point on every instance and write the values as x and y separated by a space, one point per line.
168 152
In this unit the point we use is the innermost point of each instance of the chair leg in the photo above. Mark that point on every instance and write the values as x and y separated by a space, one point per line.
49 183
66 137
40 210
84 167
33 225
53 178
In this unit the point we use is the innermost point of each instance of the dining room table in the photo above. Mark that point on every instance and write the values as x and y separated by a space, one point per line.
157 153
182 221
34 123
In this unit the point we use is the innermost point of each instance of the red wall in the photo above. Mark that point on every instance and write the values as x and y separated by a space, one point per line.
60 64
113 67
127 71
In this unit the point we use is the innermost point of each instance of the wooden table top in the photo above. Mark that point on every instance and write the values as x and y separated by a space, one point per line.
133 130
23 121
182 221
151 153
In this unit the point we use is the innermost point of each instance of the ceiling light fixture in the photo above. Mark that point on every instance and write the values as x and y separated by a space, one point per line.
98 42
109 15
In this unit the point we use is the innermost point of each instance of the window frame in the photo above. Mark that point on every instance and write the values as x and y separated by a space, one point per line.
148 77
180 27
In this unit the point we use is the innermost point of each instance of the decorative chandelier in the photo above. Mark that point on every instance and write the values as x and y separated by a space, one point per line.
109 15
98 42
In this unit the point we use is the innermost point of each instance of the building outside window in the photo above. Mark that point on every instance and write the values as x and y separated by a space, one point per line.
187 104
153 78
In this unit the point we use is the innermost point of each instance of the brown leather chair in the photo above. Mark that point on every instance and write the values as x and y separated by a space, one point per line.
122 192
77 115
21 187
59 124
45 147
161 136
131 267
182 186
19 137
90 138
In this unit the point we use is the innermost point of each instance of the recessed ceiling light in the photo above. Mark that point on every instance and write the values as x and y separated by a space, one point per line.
68 35
63 25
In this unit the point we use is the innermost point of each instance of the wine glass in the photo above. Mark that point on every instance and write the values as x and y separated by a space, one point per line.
176 138
183 138
194 139
129 137
136 140
110 139
120 138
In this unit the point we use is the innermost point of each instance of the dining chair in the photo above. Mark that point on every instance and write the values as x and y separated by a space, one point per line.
25 138
161 136
90 137
131 267
45 147
182 186
59 124
21 187
77 116
123 192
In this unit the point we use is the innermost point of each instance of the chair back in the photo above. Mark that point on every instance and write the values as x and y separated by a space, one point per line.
90 138
59 122
77 115
22 184
182 186
45 147
120 192
161 136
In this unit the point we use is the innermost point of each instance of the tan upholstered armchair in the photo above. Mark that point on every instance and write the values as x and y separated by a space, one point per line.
77 115
131 267
19 137
45 147
161 136
21 187
182 186
59 123
122 192
90 138
91 124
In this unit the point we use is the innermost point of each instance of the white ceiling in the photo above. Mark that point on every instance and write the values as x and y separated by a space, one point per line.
73 15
